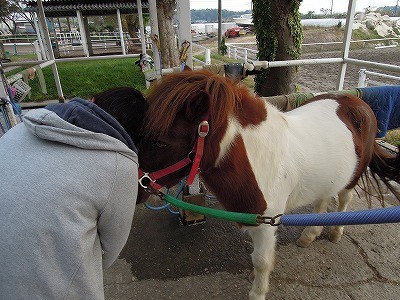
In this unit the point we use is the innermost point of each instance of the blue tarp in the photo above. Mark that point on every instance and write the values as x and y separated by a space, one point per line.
385 102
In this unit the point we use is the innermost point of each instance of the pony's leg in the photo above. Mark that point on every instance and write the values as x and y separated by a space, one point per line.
310 233
263 258
336 232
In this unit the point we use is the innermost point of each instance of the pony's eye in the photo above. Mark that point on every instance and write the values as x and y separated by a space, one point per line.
160 144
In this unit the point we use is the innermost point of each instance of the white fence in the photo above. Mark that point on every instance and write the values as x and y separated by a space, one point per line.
241 53
207 54
364 78
68 41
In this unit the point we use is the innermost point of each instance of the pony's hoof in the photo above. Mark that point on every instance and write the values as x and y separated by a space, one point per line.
334 236
256 296
304 243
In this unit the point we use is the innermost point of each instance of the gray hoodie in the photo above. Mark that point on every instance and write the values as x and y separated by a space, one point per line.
67 200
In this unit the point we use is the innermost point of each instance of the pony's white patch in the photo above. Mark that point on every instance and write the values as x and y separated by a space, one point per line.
227 141
294 155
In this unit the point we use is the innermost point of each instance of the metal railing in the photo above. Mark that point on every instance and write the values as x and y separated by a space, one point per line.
247 54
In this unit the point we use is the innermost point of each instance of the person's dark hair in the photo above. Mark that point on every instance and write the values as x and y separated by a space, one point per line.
127 105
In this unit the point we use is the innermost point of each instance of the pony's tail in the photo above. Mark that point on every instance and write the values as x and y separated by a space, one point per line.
385 166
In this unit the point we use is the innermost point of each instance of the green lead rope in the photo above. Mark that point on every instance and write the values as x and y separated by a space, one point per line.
244 218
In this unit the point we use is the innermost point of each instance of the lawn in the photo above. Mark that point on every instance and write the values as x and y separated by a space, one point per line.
86 78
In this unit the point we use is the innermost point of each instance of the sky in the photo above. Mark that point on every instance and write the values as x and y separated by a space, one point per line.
306 6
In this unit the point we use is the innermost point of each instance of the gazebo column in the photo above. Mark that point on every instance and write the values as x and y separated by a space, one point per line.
141 26
184 27
87 33
82 31
121 32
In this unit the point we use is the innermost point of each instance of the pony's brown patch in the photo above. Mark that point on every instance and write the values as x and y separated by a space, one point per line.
252 108
360 120
236 193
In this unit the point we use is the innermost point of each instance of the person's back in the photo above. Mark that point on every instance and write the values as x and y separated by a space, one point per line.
67 202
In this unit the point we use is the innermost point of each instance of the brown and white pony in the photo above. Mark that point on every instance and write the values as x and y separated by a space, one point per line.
257 159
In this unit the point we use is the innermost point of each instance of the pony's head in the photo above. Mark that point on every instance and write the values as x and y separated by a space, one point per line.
177 106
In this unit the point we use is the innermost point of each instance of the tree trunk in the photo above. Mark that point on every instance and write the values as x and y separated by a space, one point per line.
279 37
132 25
169 49
68 24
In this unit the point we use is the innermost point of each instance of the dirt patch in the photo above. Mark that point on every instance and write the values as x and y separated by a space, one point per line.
322 78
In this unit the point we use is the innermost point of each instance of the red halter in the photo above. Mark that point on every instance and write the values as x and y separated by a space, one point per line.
198 148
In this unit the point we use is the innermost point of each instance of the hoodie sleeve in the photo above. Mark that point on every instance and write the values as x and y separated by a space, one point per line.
115 220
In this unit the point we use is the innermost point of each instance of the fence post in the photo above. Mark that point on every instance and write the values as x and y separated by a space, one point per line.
362 78
235 53
245 55
208 56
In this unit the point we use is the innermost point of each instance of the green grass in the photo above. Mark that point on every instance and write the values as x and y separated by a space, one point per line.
393 137
223 59
359 34
86 78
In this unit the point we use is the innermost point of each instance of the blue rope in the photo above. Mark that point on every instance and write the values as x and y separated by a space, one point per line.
370 216
168 205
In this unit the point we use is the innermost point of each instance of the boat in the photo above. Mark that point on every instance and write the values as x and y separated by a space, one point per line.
244 20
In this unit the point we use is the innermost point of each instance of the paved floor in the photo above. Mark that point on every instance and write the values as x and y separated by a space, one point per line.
164 260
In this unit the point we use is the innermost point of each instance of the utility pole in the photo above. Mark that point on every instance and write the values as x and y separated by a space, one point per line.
219 25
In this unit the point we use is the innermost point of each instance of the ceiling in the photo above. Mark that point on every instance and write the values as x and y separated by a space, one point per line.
68 8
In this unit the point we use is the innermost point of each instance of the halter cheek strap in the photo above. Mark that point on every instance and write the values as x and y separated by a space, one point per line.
202 132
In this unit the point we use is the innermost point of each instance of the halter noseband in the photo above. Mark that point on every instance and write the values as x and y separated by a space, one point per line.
146 179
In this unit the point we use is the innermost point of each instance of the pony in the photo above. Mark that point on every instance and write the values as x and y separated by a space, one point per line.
257 159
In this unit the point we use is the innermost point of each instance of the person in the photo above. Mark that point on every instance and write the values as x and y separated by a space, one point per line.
68 195
117 100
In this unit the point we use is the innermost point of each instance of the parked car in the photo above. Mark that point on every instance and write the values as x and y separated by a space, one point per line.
233 32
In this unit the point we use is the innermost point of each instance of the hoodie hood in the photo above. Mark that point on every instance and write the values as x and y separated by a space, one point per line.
82 124
89 116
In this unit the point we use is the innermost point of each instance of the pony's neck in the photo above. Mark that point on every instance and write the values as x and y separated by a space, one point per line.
244 150
267 134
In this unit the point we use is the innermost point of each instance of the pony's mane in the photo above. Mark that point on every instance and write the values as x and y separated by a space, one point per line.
176 90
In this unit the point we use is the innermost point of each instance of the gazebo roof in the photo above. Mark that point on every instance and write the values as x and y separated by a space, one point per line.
68 8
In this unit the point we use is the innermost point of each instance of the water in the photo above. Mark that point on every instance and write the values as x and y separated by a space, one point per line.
201 28
206 27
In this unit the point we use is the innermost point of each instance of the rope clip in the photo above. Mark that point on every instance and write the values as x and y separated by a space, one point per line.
269 220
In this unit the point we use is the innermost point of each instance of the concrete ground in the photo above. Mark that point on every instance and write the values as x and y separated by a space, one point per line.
165 260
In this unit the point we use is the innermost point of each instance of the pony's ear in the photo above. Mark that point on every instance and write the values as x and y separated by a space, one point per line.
198 107
186 68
